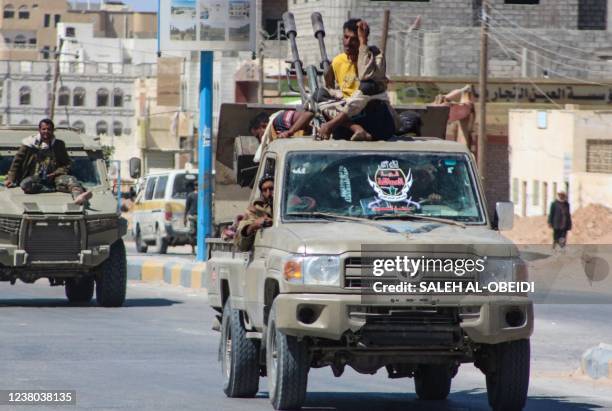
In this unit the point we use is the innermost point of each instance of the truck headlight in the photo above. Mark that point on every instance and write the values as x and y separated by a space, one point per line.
317 270
499 270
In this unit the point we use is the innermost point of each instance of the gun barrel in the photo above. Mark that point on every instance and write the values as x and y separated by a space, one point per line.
291 31
317 24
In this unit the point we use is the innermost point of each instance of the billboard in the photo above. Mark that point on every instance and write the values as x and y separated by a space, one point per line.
197 25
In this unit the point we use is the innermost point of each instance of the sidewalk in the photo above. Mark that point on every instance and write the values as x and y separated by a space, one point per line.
187 274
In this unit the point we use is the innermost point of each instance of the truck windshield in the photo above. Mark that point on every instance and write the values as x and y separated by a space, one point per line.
381 184
83 168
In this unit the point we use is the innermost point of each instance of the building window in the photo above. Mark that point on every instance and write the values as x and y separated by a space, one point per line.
599 156
20 41
58 18
25 96
32 41
102 98
117 128
70 32
117 98
45 52
24 13
79 125
63 97
78 97
7 40
9 11
101 128
536 192
47 21
592 14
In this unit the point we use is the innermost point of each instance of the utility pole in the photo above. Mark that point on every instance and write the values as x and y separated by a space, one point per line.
260 95
484 68
56 75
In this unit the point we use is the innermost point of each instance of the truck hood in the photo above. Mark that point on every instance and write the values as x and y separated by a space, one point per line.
341 237
15 201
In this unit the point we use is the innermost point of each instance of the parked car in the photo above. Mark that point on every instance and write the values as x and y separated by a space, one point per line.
159 209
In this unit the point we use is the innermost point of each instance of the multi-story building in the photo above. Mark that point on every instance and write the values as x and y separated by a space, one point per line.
529 38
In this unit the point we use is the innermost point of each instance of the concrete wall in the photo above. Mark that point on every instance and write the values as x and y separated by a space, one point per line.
556 155
539 155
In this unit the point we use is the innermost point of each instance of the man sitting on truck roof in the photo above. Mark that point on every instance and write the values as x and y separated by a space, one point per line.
42 165
258 215
360 77
285 124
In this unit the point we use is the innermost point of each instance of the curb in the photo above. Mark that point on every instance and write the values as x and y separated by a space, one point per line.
187 274
596 362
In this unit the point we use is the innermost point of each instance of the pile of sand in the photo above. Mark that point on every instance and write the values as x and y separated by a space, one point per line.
591 225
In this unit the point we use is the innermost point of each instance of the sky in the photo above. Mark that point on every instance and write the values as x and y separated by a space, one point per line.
142 5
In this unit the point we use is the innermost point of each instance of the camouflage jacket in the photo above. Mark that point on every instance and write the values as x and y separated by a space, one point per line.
258 209
27 159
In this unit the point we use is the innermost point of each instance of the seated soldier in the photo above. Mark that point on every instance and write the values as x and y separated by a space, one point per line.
285 124
42 165
360 75
257 216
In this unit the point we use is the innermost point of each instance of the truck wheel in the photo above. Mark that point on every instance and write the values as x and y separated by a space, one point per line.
80 290
239 356
287 364
433 381
141 246
111 281
161 242
508 383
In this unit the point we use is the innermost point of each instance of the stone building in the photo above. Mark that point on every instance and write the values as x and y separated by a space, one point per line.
534 35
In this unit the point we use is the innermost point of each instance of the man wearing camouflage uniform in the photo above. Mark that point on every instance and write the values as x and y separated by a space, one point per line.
257 216
42 164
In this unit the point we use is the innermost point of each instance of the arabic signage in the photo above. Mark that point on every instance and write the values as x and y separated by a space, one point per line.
411 92
216 25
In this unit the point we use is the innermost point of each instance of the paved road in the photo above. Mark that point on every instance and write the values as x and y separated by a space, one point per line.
159 353
180 253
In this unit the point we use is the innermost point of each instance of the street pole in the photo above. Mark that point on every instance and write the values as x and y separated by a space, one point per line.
260 96
56 78
205 154
483 77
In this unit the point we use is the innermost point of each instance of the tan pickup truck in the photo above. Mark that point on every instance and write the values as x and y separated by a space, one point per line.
303 296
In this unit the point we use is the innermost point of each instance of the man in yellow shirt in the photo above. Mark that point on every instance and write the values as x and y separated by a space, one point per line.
358 76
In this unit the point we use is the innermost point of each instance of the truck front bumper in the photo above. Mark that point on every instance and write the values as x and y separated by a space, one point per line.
12 257
485 319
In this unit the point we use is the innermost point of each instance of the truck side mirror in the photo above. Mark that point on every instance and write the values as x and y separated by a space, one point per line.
505 215
135 167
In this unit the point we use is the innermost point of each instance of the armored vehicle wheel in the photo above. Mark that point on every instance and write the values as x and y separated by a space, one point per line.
508 381
111 281
239 356
433 381
141 246
287 364
80 290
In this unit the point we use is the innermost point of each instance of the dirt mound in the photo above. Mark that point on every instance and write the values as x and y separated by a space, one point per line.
591 225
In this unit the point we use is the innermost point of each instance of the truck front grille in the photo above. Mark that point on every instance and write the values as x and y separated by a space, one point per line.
357 276
53 240
10 225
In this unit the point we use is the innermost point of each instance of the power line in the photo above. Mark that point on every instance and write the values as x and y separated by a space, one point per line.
534 45
560 63
503 16
494 37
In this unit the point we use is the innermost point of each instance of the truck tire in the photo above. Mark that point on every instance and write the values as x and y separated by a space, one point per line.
287 365
141 246
239 356
111 281
161 242
79 290
508 383
433 382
